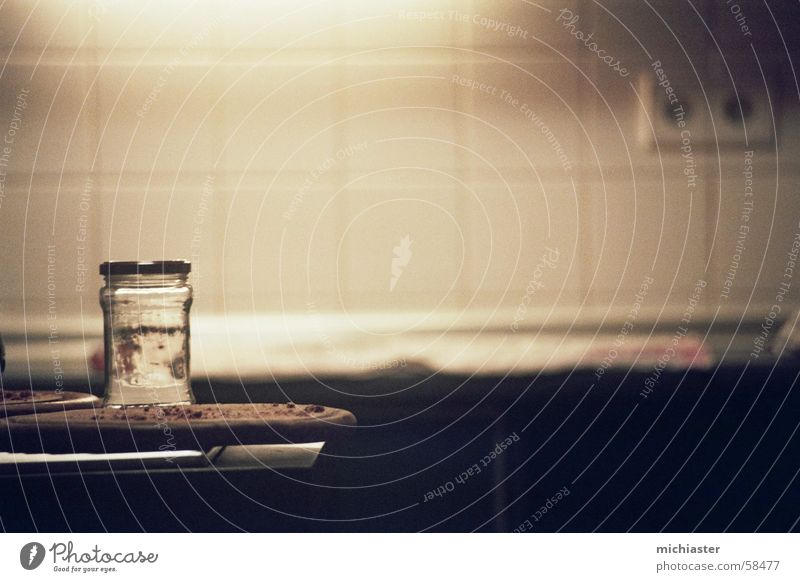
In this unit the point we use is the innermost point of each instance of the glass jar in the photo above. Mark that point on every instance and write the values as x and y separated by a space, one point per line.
146 331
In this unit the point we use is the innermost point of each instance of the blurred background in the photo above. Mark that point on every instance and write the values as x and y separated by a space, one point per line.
413 190
287 148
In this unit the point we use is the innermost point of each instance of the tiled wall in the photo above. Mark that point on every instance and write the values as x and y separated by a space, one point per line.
288 148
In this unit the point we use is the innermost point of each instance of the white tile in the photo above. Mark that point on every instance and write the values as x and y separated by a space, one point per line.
405 111
402 246
738 25
638 33
43 25
277 25
279 243
523 239
277 116
529 26
788 133
522 115
167 23
647 232
762 251
13 207
55 234
396 23
148 218
158 217
47 121
154 118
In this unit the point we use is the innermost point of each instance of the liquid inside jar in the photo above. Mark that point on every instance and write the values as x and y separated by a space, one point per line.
150 364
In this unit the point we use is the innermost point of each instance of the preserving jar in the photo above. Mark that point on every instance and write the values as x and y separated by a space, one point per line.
146 332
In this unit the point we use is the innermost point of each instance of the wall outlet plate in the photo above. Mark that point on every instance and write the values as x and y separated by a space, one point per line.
712 118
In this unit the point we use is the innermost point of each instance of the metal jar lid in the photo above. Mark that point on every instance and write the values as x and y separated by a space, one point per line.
145 268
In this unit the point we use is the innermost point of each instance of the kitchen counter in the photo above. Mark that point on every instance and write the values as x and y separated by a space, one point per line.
662 461
641 446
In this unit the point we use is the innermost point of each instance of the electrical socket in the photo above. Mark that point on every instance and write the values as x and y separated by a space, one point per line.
716 121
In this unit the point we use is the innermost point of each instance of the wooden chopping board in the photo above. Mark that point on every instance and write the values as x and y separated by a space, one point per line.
14 402
154 428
